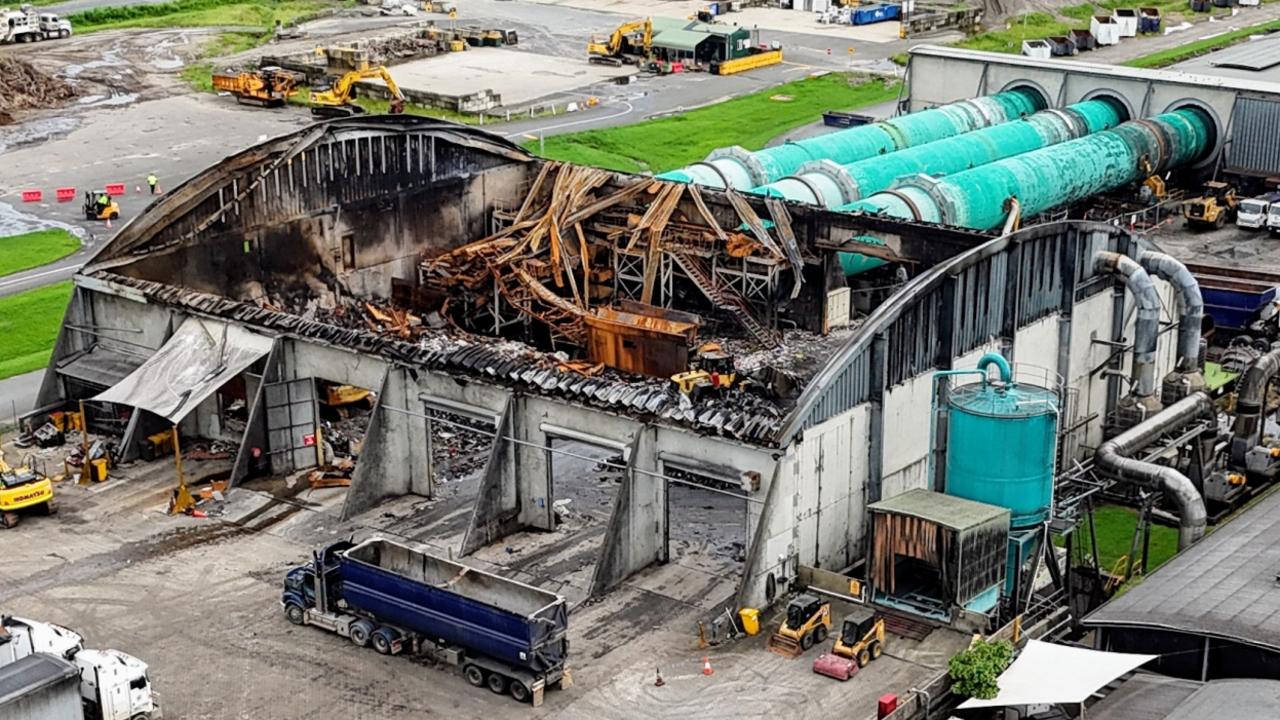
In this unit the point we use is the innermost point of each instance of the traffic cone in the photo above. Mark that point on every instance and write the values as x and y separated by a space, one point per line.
108 223
137 189
706 666
659 682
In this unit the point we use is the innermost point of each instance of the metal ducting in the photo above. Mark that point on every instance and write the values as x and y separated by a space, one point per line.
1115 457
1051 177
1251 402
1147 327
736 167
832 185
1192 315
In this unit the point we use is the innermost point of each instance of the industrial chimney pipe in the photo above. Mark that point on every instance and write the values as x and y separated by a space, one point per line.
1189 321
1114 457
1251 401
1147 327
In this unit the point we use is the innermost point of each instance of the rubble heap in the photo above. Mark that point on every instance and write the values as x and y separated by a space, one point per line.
23 87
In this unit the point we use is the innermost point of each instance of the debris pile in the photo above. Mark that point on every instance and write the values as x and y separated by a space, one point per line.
23 87
459 445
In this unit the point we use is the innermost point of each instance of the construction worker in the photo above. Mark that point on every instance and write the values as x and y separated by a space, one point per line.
103 201
152 181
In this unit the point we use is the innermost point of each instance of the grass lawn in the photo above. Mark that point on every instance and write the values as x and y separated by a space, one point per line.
33 249
1164 58
1115 534
29 324
1031 26
201 13
750 121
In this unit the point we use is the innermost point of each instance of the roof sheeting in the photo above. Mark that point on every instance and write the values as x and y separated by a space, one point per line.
679 39
1256 55
946 510
1048 674
32 673
1147 696
1223 586
100 366
200 358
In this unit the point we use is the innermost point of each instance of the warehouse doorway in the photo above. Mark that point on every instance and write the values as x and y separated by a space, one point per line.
706 527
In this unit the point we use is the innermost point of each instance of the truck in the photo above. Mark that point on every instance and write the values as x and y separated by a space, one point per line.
503 634
27 25
112 685
39 687
1273 219
1252 213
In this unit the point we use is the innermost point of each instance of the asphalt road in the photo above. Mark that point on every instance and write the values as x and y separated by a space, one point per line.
18 395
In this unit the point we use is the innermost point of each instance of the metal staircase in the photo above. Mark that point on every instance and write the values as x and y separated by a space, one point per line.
726 298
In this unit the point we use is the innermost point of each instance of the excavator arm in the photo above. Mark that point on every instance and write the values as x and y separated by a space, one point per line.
339 95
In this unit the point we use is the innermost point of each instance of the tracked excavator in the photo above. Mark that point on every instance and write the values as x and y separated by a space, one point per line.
630 43
336 97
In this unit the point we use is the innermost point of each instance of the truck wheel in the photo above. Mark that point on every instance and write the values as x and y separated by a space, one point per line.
496 683
519 691
382 641
360 632
294 613
474 675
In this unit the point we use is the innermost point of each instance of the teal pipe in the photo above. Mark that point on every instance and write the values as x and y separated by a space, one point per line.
832 185
736 167
1051 177
989 359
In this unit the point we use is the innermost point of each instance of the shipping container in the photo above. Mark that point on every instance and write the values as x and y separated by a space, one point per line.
871 14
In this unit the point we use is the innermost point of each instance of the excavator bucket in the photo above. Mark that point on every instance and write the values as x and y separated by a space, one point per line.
780 644
834 666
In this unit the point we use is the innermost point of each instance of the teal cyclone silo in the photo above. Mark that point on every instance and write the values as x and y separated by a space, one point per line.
1001 444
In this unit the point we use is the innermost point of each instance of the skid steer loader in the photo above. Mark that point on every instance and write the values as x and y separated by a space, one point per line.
808 622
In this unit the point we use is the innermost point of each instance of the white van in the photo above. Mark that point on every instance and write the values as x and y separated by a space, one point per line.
1252 213
1273 218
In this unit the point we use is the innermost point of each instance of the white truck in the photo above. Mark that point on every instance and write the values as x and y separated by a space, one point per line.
113 685
1273 218
27 25
1252 212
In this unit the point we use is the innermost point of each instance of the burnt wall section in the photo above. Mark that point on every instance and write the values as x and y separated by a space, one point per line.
345 205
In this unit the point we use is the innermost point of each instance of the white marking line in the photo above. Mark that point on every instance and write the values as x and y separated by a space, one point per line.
628 111
28 278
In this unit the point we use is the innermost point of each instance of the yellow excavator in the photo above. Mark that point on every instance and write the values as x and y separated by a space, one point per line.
623 44
335 97
807 622
22 488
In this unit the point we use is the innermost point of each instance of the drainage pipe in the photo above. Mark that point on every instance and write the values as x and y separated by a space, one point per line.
1147 328
1115 458
1192 315
1251 403
739 168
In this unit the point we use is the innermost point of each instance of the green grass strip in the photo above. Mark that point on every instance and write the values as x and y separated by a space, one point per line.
29 324
33 249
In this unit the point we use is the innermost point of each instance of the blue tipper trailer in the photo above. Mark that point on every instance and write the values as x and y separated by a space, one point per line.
503 634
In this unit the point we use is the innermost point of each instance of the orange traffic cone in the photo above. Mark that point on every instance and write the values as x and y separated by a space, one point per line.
706 666
659 682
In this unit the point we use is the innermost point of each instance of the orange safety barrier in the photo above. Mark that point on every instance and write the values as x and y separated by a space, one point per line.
65 194
115 189
32 195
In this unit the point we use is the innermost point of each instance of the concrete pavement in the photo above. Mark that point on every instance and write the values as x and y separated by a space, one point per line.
18 395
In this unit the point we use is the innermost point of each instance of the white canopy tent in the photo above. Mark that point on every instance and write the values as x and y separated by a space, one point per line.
197 360
1048 674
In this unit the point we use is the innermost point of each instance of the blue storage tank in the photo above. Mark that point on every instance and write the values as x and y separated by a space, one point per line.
1001 444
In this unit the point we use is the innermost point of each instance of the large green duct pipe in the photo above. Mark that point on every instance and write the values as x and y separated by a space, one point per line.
736 167
831 185
1051 177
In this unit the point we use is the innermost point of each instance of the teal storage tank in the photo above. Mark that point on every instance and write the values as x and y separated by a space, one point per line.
1001 445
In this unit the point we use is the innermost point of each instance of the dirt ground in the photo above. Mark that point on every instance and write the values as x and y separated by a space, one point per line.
198 599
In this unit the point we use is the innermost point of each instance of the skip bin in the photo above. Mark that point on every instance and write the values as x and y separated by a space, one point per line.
1084 40
1149 20
1127 20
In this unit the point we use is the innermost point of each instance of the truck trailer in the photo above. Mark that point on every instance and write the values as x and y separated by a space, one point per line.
39 687
112 685
503 634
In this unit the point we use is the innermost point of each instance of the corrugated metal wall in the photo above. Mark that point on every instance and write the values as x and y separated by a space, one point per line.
1255 137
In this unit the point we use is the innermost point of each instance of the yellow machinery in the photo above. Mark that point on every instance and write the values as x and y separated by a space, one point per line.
99 206
339 399
23 488
623 44
808 622
268 87
860 641
335 99
714 371
1213 209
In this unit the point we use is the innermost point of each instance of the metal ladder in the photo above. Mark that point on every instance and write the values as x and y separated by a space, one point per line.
727 299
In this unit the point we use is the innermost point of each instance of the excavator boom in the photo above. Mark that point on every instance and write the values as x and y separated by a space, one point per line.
336 101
